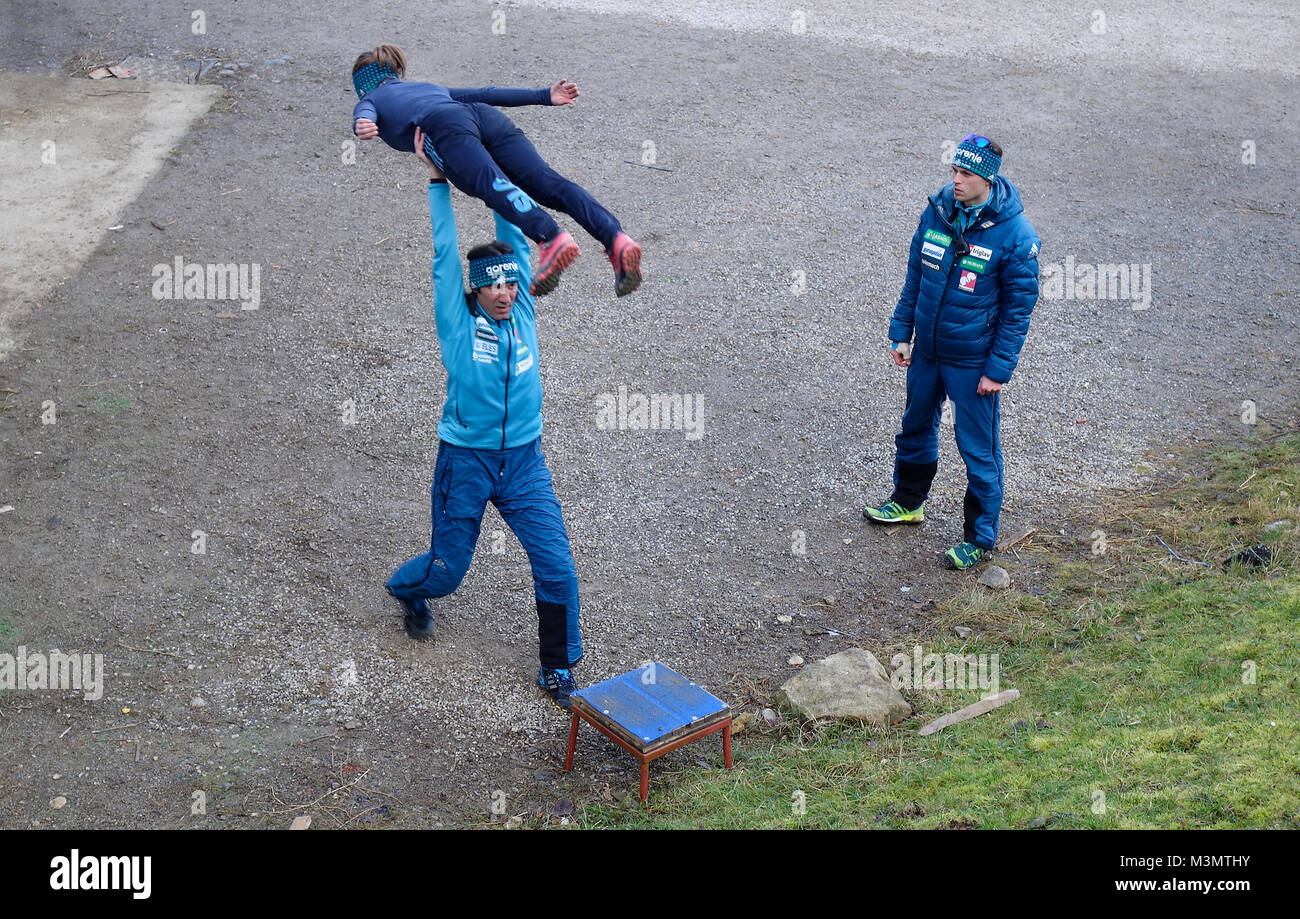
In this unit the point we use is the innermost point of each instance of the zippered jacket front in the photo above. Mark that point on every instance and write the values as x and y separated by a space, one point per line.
971 310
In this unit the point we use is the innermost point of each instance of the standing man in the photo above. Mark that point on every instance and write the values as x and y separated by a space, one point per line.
490 439
972 282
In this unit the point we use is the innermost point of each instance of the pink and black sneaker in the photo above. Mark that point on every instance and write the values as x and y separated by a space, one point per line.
625 256
554 256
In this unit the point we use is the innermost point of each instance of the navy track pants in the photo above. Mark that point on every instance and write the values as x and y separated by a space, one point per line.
485 155
518 483
976 422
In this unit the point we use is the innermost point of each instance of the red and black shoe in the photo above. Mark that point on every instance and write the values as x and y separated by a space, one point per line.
625 256
554 256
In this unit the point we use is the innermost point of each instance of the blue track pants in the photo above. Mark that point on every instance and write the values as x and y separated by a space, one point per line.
976 420
518 483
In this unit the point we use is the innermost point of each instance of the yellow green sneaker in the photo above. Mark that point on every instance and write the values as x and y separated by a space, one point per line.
893 512
964 555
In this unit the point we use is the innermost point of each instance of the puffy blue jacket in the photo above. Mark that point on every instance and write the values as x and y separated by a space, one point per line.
973 310
494 389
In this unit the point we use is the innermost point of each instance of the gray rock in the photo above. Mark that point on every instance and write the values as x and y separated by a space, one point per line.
1268 527
198 702
962 631
771 717
851 685
995 577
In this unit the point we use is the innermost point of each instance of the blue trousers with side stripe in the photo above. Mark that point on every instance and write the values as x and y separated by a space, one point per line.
976 421
517 481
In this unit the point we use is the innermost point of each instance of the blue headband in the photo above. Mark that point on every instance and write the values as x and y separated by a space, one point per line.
370 76
975 155
486 271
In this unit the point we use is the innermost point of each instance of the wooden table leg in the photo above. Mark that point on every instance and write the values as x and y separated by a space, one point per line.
726 744
573 742
645 780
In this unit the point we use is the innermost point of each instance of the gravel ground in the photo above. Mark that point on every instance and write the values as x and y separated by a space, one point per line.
788 153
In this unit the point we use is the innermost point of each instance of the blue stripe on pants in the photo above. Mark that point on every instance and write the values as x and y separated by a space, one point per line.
976 422
518 483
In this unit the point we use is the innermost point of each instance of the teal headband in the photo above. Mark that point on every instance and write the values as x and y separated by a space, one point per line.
370 76
486 271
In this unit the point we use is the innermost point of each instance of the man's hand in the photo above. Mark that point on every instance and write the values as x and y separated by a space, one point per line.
902 354
564 92
365 129
987 386
434 171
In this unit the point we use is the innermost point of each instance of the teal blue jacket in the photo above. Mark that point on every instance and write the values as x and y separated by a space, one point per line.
494 389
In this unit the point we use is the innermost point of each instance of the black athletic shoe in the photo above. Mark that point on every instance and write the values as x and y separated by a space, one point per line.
417 617
560 684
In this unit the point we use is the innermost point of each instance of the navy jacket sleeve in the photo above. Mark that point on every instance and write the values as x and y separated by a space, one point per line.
1016 300
507 98
365 109
900 327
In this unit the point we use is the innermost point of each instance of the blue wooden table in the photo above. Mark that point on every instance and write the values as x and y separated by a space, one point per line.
648 712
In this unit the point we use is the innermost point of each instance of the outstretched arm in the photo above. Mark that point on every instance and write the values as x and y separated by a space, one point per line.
562 93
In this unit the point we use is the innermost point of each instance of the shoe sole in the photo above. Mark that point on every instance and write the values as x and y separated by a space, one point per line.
629 270
548 277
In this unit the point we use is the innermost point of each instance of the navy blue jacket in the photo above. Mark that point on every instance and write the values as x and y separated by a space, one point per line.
971 311
396 106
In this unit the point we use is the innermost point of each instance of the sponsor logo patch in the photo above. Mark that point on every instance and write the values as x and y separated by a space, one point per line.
929 264
933 251
986 224
1033 251
523 365
981 252
967 281
936 237
486 347
973 264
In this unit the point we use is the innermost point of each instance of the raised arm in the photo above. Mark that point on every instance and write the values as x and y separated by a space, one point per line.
448 278
507 232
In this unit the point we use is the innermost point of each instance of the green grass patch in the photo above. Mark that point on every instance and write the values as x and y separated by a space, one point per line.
1155 691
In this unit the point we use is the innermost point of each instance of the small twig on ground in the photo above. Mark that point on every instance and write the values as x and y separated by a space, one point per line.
649 166
1248 478
837 631
1179 557
116 727
314 739
332 791
1021 538
122 644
